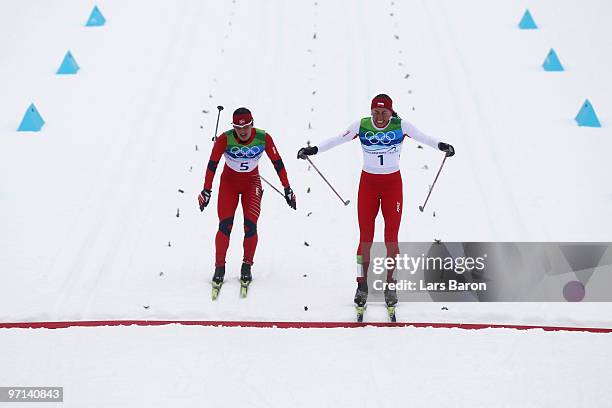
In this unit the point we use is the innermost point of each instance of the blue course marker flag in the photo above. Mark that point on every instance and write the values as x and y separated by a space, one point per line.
552 63
586 116
69 65
32 121
96 19
527 22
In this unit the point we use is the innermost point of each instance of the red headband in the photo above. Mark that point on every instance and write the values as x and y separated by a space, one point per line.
242 120
382 102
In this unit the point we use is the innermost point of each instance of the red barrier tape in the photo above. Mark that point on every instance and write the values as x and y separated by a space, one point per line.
288 325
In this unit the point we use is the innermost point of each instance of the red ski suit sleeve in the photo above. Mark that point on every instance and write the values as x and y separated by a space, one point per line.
276 160
213 162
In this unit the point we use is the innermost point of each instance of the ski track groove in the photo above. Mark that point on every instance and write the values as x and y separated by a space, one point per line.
77 283
446 62
158 132
485 120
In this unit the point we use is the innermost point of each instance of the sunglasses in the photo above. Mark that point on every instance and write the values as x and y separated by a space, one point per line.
242 126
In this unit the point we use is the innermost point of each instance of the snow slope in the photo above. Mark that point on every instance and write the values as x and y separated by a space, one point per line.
88 206
228 367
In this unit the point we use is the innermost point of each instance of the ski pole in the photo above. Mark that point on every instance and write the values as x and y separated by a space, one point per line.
422 207
328 183
219 108
270 184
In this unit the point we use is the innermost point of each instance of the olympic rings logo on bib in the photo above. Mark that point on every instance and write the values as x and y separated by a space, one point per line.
245 151
379 137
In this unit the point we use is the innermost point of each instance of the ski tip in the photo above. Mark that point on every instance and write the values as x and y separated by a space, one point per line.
391 312
421 208
244 288
360 311
216 288
347 202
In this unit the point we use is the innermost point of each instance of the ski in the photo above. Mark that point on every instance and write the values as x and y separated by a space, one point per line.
360 310
216 288
391 313
244 288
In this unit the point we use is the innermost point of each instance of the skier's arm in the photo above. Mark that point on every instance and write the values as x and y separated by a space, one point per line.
348 135
279 166
213 162
412 132
276 160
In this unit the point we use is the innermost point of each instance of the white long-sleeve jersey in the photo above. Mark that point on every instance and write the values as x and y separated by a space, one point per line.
381 147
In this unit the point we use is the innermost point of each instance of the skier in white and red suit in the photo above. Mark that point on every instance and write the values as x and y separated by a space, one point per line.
242 148
380 186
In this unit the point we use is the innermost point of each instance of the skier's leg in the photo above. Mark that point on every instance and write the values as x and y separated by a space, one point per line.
251 207
368 203
226 208
392 205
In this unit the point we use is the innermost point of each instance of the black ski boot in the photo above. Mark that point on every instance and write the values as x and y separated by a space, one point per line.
245 273
217 281
390 297
245 279
391 300
361 297
219 275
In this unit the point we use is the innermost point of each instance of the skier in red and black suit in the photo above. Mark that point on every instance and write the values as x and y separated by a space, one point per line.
380 187
242 148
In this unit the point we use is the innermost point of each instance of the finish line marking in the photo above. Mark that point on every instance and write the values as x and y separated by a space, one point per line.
289 325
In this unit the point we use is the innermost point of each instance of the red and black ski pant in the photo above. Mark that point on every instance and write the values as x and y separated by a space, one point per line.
378 191
247 188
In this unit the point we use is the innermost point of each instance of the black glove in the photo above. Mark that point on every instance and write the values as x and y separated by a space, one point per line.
447 148
307 151
204 198
290 197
